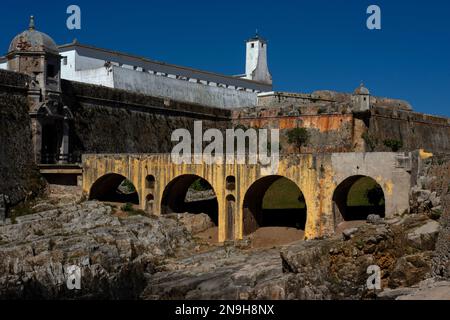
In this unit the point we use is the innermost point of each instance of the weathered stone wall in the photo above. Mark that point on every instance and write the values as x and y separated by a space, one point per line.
117 121
333 127
414 130
19 177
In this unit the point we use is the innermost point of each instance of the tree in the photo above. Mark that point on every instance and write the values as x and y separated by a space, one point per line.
298 137
375 195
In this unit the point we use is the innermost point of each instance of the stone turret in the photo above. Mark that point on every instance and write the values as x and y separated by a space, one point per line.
36 54
361 98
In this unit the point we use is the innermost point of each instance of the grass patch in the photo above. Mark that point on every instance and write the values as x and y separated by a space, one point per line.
283 194
357 195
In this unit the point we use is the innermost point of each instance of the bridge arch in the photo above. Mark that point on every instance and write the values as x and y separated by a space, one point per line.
262 207
114 187
356 197
176 193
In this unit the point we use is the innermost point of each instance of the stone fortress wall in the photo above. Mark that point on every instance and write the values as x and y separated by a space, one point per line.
109 120
337 124
19 175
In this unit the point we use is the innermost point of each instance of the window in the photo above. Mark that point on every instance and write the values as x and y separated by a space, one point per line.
150 182
231 183
253 45
64 60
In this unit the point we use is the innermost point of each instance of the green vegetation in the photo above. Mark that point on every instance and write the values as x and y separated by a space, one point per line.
200 185
365 192
375 196
298 137
131 211
393 144
283 194
127 187
127 207
436 214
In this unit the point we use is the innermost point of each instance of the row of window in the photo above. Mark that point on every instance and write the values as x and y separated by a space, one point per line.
206 82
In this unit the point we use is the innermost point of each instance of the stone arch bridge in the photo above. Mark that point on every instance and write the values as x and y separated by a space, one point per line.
239 188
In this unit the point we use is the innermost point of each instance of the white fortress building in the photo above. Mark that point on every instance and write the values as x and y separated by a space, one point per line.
113 69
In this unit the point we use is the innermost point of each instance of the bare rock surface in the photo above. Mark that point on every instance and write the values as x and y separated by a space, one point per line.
141 257
114 254
317 269
194 222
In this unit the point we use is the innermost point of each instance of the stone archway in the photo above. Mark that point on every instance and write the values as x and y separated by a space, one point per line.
113 187
357 197
264 207
190 193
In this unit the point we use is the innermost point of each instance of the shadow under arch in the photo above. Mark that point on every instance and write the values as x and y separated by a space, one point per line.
357 197
175 200
114 187
284 206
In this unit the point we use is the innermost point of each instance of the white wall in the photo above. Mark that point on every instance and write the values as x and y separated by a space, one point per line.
92 70
100 76
146 83
4 66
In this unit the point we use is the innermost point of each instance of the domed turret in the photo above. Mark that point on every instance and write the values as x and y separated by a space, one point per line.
32 40
362 90
36 54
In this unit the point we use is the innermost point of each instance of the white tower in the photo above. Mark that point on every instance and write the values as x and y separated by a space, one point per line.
256 60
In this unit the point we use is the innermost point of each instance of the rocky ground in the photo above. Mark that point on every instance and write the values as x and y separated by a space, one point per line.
141 257
115 254
124 254
320 269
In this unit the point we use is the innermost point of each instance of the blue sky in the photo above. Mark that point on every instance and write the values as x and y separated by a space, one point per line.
320 44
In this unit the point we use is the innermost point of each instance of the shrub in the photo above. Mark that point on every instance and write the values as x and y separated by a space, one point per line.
298 137
393 144
127 207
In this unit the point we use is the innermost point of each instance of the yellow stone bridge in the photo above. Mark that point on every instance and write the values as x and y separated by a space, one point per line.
324 180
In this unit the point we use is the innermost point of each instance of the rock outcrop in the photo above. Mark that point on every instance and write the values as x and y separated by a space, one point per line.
318 269
115 254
